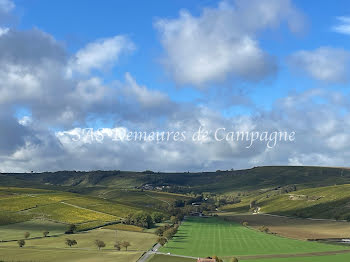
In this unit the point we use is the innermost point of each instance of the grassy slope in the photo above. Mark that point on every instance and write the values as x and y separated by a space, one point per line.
202 237
320 202
35 227
54 249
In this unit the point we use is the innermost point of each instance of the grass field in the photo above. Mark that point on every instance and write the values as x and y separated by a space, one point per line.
201 237
54 248
34 227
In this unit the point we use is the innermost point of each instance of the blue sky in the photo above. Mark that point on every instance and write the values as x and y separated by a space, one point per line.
76 23
159 65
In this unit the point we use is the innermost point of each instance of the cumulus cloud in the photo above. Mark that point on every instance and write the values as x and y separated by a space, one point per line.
145 97
222 41
100 54
324 64
343 26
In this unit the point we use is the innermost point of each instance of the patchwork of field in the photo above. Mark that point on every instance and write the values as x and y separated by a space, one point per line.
201 237
54 248
297 228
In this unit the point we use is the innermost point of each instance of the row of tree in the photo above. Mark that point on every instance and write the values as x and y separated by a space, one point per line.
144 219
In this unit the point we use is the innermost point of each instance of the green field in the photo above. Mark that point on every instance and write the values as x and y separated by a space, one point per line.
201 237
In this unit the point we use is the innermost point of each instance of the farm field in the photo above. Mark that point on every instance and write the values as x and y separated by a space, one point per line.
297 228
201 237
54 248
24 204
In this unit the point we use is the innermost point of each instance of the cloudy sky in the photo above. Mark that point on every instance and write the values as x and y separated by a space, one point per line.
172 66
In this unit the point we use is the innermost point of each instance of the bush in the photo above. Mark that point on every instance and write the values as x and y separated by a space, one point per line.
26 235
117 246
264 229
21 243
245 224
71 242
72 228
234 259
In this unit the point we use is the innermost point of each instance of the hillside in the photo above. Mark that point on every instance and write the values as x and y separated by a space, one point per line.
321 202
215 182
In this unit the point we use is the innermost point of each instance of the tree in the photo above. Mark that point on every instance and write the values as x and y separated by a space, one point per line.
245 224
170 232
252 204
71 242
159 231
264 229
142 219
71 229
157 217
21 243
162 241
234 259
100 244
26 235
117 245
126 244
217 259
46 233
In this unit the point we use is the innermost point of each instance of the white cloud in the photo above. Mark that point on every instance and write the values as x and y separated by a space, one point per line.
343 26
222 42
100 54
146 97
325 64
3 31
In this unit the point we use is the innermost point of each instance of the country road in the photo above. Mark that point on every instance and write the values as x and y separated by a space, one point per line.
147 255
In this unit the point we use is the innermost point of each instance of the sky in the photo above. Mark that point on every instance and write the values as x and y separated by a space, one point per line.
77 76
